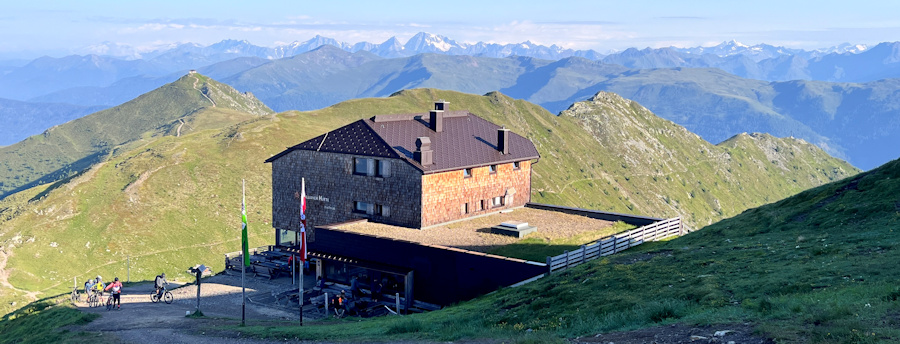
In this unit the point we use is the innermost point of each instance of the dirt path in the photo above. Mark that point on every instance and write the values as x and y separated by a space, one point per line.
196 80
4 277
141 321
178 131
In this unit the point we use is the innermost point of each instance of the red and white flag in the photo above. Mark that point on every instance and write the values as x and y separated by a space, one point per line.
303 220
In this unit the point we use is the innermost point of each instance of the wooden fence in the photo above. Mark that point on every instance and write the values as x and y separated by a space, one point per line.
616 243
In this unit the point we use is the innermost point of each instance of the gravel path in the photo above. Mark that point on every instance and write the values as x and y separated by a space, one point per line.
140 321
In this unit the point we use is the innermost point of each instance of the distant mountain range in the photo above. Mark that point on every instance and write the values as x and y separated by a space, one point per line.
48 79
857 122
683 85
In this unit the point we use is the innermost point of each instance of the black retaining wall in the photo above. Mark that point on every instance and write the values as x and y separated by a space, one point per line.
442 275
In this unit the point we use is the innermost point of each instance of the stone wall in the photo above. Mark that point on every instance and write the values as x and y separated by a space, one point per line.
446 192
332 188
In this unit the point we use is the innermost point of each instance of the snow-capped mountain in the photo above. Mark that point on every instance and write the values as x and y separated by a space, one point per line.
422 42
757 52
426 42
845 48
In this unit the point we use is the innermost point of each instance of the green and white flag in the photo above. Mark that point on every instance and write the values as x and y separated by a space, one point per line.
244 242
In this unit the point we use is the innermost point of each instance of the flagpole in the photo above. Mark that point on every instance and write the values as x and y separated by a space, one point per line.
243 259
303 243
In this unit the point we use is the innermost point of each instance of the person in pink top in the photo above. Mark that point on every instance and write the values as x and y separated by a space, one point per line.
116 288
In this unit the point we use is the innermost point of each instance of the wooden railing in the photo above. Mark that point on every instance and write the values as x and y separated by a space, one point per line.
616 243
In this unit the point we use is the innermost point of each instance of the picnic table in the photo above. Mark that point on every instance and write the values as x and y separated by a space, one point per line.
271 269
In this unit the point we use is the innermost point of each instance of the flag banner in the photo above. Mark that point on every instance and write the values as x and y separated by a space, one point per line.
245 243
303 220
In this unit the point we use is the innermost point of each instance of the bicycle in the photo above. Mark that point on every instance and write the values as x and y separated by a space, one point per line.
75 297
110 304
93 299
166 296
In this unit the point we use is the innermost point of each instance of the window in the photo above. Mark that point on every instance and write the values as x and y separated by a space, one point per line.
483 205
361 166
371 167
465 208
382 168
371 209
467 173
361 207
493 169
516 165
498 201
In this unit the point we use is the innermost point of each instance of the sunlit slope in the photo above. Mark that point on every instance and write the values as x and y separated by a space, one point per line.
167 202
68 148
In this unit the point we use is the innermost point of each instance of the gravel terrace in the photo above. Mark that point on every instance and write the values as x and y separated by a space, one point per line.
474 234
141 321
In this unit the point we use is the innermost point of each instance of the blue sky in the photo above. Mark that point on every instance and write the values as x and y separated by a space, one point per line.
57 28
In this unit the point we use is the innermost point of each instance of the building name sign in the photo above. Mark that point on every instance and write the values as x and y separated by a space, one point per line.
317 198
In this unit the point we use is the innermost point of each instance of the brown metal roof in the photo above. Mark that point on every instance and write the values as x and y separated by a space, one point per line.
466 141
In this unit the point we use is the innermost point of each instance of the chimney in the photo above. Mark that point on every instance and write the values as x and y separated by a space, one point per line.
503 140
441 105
436 120
423 154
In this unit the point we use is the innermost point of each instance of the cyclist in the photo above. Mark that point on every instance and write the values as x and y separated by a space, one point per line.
98 287
88 288
160 283
116 288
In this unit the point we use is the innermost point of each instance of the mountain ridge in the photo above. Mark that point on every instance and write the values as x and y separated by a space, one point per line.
69 148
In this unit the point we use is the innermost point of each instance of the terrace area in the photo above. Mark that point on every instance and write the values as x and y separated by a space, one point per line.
556 232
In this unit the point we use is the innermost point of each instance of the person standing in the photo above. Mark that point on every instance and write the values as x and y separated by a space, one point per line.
116 288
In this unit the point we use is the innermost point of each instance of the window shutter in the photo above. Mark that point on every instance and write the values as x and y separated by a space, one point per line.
385 168
385 211
370 208
370 166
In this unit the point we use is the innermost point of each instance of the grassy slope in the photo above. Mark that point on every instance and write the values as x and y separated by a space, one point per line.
170 202
636 162
66 149
816 267
42 322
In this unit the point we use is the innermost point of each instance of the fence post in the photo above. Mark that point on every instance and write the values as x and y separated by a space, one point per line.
549 266
680 226
326 305
567 260
583 254
615 244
